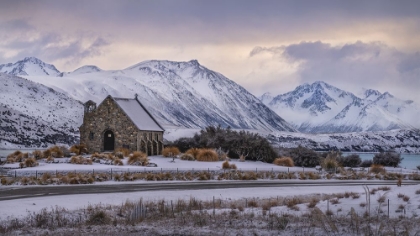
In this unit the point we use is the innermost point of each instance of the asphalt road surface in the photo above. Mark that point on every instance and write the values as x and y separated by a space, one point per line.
18 192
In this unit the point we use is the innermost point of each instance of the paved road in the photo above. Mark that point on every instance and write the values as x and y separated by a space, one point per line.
10 193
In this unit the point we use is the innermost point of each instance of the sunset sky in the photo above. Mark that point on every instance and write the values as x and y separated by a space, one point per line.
265 46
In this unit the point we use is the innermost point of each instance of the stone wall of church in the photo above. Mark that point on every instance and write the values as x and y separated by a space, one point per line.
109 116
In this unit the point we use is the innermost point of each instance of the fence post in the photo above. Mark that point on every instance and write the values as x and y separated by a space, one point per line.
15 174
111 173
36 174
388 208
214 207
288 170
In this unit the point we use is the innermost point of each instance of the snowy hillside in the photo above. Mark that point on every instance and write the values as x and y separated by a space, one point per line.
34 115
178 94
29 66
322 108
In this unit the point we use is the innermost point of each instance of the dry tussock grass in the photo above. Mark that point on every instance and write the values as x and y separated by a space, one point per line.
80 160
187 157
377 169
226 165
138 158
125 152
78 149
284 161
207 155
170 152
193 152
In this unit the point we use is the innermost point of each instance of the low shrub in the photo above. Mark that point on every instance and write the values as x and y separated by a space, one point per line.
352 160
302 156
118 162
387 159
226 165
125 152
366 163
193 152
80 160
377 169
56 151
119 155
79 149
138 158
207 155
99 218
187 157
37 154
30 162
170 151
284 161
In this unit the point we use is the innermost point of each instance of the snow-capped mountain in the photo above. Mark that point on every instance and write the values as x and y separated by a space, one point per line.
33 115
178 94
322 108
29 66
84 70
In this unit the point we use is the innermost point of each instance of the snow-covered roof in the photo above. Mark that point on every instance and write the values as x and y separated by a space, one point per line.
138 114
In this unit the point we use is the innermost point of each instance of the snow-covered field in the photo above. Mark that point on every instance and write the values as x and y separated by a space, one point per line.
339 201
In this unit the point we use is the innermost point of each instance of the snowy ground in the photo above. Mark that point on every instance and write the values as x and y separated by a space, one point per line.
20 207
399 201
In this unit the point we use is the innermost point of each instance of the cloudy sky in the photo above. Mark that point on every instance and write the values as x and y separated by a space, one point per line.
265 46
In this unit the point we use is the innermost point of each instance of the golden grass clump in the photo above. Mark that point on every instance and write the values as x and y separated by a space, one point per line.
187 157
377 169
193 152
80 160
138 158
37 154
78 149
118 162
30 162
284 161
125 151
226 165
207 155
170 151
56 151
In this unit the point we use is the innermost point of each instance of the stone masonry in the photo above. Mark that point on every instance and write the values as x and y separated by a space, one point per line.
109 116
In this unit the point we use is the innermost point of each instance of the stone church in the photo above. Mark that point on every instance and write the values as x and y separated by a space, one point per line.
120 123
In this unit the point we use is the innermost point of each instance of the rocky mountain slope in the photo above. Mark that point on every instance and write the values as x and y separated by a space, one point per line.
33 115
322 108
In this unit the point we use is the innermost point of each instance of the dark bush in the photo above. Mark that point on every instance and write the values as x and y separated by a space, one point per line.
366 163
250 145
387 159
352 160
303 156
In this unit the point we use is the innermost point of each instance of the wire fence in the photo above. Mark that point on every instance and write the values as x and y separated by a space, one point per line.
120 170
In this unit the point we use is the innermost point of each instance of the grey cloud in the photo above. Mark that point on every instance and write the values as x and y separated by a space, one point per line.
352 65
16 25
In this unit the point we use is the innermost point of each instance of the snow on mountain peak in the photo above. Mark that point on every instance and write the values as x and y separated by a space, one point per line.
323 108
86 69
29 66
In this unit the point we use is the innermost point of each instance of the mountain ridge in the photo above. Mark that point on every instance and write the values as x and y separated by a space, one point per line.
323 108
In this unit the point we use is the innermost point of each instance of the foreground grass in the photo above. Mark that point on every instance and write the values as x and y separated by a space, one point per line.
214 217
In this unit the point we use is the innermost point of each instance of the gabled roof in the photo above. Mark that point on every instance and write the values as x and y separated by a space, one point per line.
138 114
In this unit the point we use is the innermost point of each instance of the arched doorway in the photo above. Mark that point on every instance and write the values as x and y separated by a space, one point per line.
109 140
